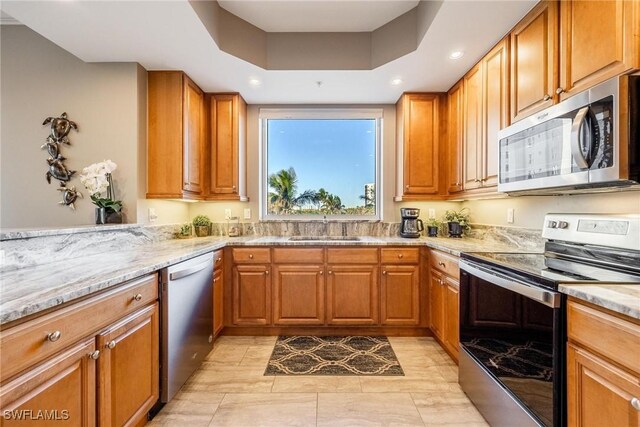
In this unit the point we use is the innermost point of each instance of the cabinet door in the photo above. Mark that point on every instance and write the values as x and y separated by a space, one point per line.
436 303
534 60
218 302
451 324
472 128
455 144
599 394
421 136
599 40
400 299
128 367
251 295
193 138
298 295
495 109
352 295
64 386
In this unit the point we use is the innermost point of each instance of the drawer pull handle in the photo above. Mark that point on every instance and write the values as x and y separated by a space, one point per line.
441 264
94 355
400 255
635 402
54 336
111 344
137 297
250 256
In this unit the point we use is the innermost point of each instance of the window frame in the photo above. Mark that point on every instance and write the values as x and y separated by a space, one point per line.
266 114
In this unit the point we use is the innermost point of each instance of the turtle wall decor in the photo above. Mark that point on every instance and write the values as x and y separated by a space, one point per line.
59 129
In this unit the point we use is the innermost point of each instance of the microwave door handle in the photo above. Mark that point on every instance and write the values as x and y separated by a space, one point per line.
576 152
548 298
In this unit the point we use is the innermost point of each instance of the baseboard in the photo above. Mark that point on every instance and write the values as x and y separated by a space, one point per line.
392 331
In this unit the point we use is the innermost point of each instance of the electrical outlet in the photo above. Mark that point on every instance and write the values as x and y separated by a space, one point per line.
247 213
152 215
510 213
227 213
432 213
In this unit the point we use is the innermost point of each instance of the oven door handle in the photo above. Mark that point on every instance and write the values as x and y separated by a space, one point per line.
548 298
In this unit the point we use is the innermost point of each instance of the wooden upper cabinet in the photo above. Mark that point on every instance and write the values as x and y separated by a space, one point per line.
128 366
599 40
534 60
495 95
455 137
418 136
175 151
472 128
228 146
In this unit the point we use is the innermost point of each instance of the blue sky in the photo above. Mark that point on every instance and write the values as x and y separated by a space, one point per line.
338 155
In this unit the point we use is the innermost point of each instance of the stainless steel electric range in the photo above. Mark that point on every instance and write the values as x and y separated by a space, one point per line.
512 317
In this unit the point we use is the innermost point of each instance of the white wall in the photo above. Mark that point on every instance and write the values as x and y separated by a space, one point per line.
108 102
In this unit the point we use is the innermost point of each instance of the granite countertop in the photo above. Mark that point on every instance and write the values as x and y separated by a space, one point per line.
623 299
30 290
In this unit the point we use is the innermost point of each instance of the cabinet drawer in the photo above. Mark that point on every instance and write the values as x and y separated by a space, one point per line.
611 336
35 340
446 263
298 255
218 259
400 255
251 255
352 255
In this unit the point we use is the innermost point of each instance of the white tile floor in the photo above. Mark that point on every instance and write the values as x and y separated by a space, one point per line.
230 389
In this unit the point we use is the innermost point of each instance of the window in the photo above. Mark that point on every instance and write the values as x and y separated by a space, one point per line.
320 163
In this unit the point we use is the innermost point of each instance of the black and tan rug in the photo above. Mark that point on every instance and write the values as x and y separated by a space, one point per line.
311 355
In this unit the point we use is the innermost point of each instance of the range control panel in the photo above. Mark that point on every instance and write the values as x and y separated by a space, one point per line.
620 231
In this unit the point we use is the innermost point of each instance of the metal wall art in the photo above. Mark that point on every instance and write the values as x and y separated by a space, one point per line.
59 134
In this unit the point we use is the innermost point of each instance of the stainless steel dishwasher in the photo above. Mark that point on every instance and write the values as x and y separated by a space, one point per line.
187 321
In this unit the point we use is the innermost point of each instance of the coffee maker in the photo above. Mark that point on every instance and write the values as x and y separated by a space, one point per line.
410 226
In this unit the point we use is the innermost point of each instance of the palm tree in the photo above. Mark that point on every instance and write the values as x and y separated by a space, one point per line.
283 199
329 203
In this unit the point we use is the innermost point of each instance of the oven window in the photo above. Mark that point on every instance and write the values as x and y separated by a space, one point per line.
512 337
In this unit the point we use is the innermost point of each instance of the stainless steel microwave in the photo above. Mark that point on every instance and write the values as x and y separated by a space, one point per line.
589 141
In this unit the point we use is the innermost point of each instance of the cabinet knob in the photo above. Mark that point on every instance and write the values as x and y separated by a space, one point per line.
54 336
559 90
94 355
400 255
476 180
321 272
441 264
384 271
218 259
330 272
458 184
234 187
635 402
111 344
546 97
250 256
137 297
266 272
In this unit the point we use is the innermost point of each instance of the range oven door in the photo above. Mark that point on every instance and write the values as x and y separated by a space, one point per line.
513 333
570 145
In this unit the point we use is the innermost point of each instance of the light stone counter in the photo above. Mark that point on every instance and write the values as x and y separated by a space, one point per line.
29 290
623 299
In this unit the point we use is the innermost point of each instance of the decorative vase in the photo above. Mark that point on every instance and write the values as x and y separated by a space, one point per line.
113 217
101 216
455 229
202 230
432 231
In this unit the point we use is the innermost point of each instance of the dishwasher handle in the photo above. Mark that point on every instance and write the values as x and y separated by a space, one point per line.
188 271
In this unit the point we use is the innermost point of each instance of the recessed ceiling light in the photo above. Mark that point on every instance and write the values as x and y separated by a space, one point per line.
396 81
254 82
456 54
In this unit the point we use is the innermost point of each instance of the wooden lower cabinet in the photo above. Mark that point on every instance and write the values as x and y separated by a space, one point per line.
444 302
298 295
400 295
251 295
352 295
436 303
218 302
599 393
128 367
451 338
62 387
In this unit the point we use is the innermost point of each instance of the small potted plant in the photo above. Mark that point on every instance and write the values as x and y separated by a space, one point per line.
457 222
202 225
184 232
97 179
432 227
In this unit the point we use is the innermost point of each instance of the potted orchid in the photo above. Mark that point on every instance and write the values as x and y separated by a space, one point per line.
97 180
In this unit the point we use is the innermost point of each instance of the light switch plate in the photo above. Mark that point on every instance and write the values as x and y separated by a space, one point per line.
227 213
247 213
432 213
510 213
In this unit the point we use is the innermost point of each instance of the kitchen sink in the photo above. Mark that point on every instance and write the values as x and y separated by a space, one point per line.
324 238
